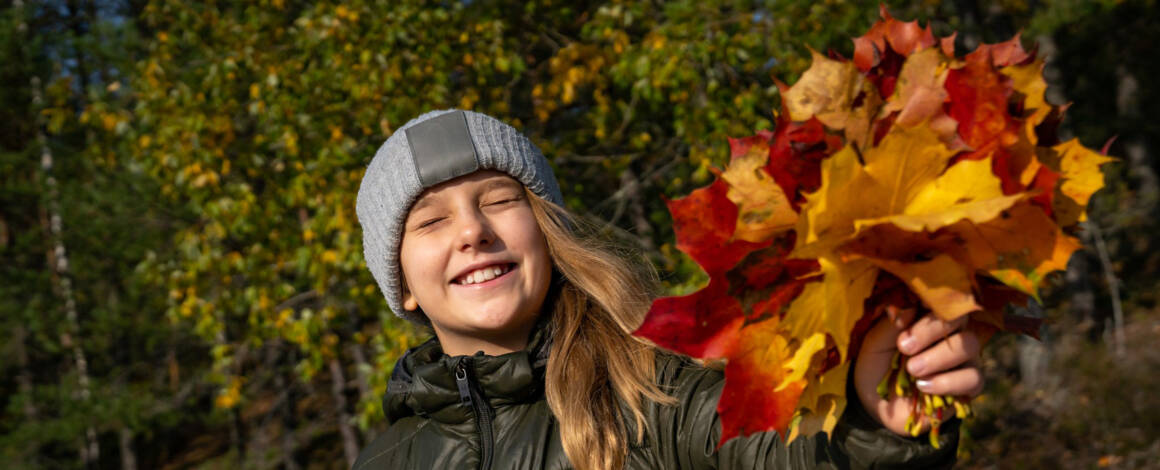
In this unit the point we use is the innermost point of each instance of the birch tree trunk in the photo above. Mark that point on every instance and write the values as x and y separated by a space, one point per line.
125 439
62 283
90 449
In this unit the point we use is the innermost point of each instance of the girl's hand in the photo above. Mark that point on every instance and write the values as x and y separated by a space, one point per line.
943 356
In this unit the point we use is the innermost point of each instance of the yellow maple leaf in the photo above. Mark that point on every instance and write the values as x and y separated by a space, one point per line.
826 219
799 363
833 305
1027 81
905 161
1019 248
896 172
1080 177
821 403
838 95
968 190
942 283
762 207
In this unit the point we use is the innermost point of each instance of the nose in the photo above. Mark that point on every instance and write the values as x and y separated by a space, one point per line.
474 230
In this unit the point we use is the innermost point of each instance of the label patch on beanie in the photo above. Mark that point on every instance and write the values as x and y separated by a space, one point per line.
442 148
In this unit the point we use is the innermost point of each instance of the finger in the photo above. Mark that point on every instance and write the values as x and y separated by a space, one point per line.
947 354
964 381
883 336
926 331
900 317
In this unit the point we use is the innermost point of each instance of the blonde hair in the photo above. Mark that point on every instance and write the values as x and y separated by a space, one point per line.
595 363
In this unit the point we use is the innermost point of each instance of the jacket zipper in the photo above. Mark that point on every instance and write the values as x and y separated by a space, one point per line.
469 395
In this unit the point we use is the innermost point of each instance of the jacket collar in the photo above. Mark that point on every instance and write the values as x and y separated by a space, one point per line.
423 381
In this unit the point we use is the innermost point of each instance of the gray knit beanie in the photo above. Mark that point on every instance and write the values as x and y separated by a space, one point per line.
435 147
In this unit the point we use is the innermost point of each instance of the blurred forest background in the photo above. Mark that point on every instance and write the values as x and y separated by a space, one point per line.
182 274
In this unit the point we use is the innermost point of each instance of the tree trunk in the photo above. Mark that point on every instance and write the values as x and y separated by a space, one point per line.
128 457
24 377
1135 148
238 437
173 368
640 222
289 423
349 438
62 282
237 426
361 366
89 448
1083 299
1034 355
1118 340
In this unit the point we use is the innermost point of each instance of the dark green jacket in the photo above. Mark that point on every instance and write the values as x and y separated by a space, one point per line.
489 412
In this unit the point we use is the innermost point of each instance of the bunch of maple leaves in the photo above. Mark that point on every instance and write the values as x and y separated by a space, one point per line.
906 177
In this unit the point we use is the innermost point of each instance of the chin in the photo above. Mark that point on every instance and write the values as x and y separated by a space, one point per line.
500 320
495 323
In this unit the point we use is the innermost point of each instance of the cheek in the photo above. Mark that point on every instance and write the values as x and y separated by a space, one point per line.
536 249
417 265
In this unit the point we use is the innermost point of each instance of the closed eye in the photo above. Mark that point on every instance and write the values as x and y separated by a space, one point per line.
429 222
505 199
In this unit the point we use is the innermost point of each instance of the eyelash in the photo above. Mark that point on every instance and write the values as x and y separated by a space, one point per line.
501 201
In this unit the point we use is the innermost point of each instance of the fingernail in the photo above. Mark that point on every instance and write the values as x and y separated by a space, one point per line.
907 344
916 366
923 385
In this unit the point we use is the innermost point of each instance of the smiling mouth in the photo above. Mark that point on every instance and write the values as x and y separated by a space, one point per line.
484 274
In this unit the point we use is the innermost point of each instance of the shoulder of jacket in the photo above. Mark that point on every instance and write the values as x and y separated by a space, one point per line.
676 369
383 450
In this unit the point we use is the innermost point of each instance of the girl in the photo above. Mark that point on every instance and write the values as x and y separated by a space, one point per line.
533 366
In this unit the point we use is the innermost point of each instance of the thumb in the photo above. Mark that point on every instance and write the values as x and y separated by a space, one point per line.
882 339
876 353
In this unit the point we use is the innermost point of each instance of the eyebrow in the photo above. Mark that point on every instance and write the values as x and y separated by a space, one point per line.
430 199
501 184
422 202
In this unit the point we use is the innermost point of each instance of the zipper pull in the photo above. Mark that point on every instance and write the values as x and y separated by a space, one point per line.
462 382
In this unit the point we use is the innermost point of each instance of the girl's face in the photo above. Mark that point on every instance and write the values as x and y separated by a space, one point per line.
475 260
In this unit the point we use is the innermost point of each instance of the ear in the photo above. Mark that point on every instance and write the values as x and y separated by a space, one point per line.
409 302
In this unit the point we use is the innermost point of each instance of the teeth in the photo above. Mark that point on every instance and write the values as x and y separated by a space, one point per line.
480 275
